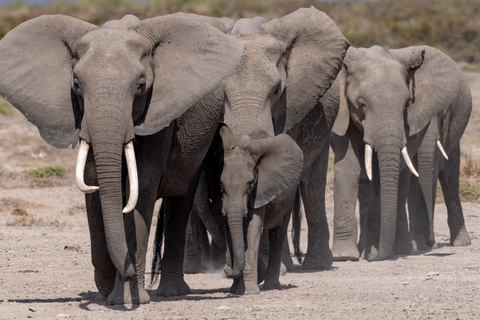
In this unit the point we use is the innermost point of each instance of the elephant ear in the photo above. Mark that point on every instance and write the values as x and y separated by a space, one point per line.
36 74
316 48
191 58
433 79
280 165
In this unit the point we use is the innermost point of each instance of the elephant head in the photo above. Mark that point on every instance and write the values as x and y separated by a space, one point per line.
391 96
104 85
287 65
256 169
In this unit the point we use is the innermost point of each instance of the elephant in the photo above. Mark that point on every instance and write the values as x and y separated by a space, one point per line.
394 104
271 107
144 90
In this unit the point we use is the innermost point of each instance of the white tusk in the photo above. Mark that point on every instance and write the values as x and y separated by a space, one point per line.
439 145
368 160
408 161
132 177
80 168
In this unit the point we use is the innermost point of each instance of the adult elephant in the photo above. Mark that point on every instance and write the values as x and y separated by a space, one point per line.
389 100
287 66
128 85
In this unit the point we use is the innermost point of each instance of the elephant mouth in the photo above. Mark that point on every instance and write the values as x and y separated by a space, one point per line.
132 173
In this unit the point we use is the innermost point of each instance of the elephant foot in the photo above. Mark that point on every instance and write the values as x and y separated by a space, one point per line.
344 250
462 239
321 261
105 284
172 286
371 253
128 293
287 262
238 286
418 243
403 247
271 283
252 288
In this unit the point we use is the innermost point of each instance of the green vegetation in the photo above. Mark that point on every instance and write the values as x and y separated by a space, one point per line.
47 172
450 25
469 192
6 109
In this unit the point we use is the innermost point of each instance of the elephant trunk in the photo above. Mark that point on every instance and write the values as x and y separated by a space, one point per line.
235 224
388 146
108 135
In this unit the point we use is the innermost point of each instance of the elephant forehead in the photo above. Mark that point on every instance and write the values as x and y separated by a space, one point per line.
112 43
384 71
257 67
238 158
111 52
262 44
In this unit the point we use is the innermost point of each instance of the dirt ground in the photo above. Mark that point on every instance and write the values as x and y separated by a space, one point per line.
45 269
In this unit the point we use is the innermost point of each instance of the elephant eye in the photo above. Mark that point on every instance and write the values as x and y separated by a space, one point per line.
278 89
76 85
141 84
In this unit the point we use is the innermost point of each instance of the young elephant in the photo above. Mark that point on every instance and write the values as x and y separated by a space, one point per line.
287 67
391 100
128 85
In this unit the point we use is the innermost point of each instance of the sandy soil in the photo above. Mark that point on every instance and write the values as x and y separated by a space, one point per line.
45 269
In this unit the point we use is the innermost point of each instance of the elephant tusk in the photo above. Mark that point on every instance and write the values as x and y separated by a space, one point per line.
368 160
440 147
80 168
408 161
132 177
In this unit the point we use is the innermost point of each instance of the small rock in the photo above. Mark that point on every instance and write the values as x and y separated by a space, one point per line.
224 308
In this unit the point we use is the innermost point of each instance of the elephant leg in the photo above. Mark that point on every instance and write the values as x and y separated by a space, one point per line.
416 205
276 237
449 180
402 239
347 174
192 260
312 189
286 256
177 211
254 233
363 194
104 269
263 254
422 203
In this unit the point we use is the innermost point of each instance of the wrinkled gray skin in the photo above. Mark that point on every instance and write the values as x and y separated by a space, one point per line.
115 84
286 68
389 100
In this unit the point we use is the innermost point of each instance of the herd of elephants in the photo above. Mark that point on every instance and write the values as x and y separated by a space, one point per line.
231 124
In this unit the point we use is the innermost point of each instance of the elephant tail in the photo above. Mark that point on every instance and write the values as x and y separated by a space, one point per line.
296 227
157 246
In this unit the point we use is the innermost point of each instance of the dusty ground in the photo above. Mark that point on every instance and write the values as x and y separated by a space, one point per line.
45 269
